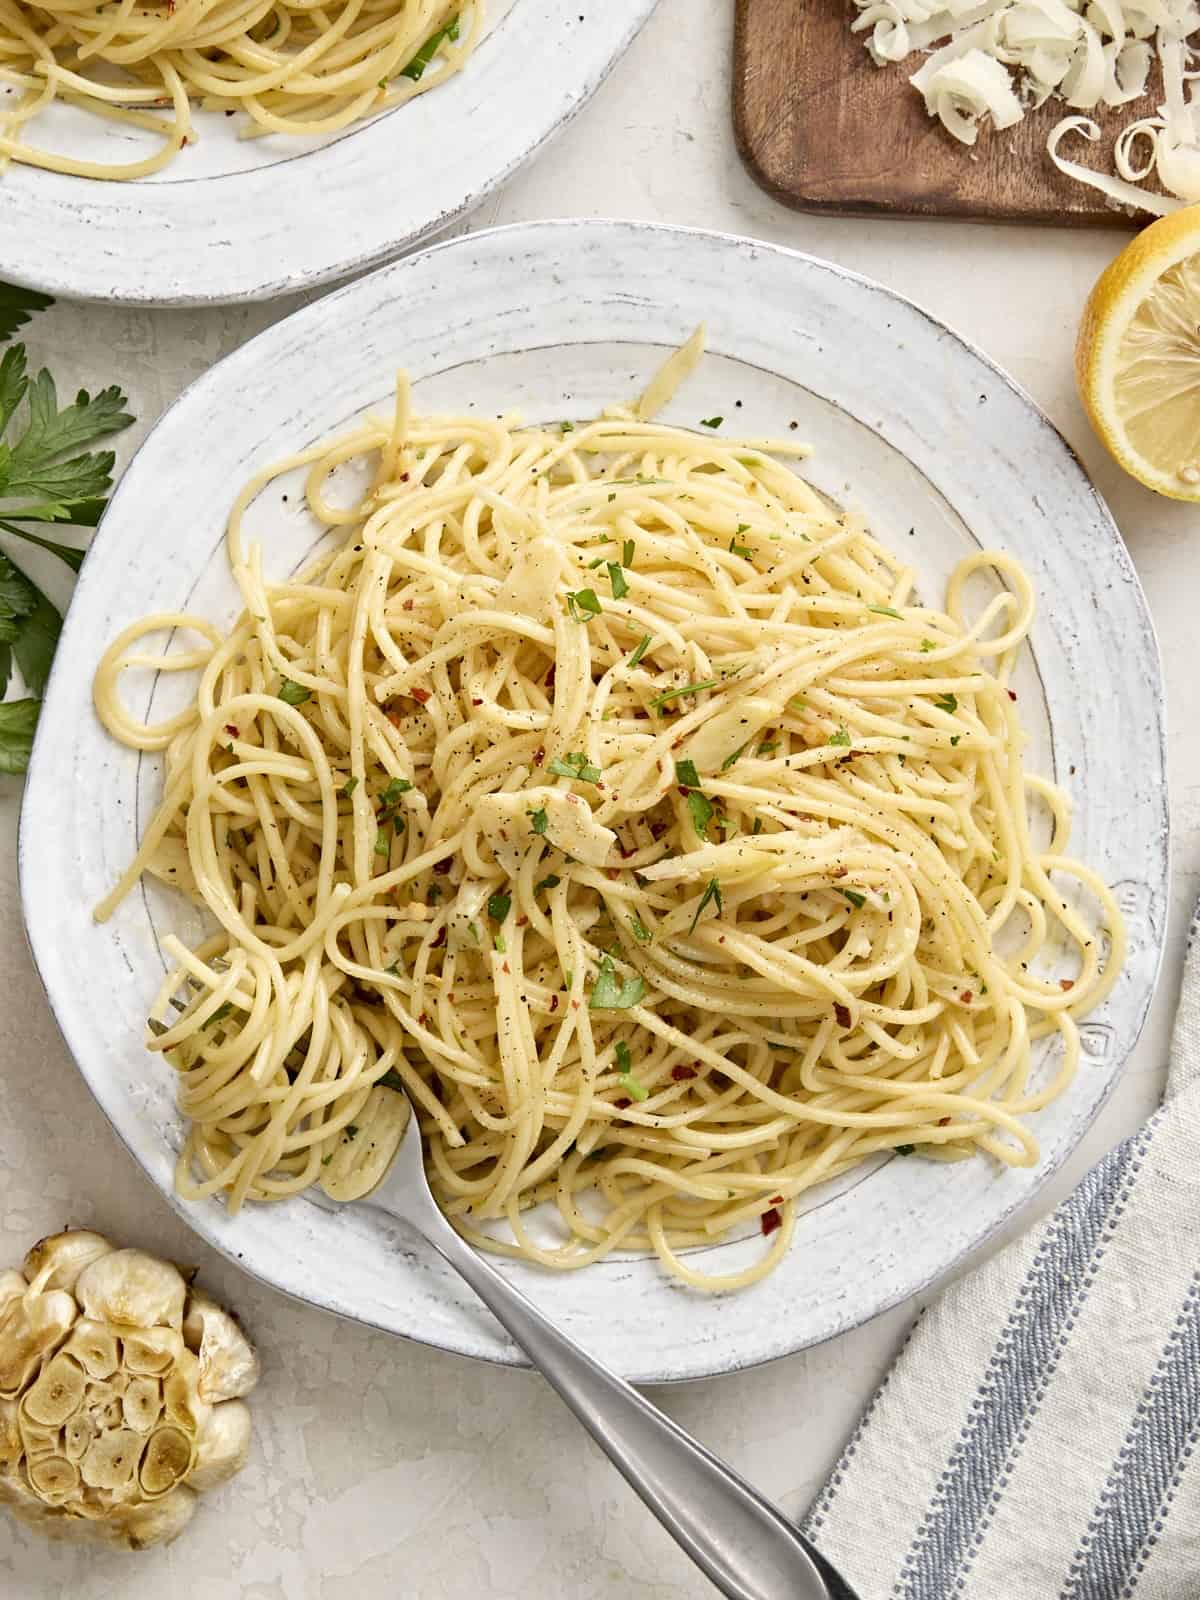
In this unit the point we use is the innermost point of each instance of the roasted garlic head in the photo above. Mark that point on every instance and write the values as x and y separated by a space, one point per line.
120 1392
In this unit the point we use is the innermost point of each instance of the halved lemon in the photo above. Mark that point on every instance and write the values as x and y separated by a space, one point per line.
1137 358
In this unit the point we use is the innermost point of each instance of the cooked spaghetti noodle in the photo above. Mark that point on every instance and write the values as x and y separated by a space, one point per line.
612 796
288 66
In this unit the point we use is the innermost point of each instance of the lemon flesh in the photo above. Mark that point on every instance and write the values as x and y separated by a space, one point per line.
1138 357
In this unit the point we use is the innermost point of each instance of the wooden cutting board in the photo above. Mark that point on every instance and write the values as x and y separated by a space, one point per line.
822 128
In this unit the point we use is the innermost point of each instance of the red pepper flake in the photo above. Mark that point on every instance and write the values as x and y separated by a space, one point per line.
681 1074
423 1018
229 728
539 755
548 680
554 1002
440 940
404 477
421 696
407 606
621 1104
612 872
842 1013
776 1199
1066 983
395 717
966 997
943 1122
1012 694
769 1221
443 867
476 702
504 968
839 872
522 922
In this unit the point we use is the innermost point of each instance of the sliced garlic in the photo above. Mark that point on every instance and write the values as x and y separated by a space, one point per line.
30 1329
153 1351
95 1347
57 1392
55 1478
112 1459
166 1460
141 1404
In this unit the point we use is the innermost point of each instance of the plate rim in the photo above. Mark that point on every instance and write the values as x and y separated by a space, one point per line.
977 1237
182 284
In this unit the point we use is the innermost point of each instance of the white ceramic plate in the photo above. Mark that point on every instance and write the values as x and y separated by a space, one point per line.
236 219
939 449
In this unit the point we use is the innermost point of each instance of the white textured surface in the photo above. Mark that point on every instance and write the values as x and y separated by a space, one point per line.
383 1471
930 442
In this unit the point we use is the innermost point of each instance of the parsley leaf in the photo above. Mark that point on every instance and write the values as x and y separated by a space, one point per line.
29 626
348 787
613 994
627 553
841 738
640 931
616 576
18 719
293 694
946 702
687 688
582 604
394 790
927 645
729 760
17 305
575 766
701 808
499 906
711 422
637 655
537 821
686 774
886 611
551 882
854 897
416 67
712 892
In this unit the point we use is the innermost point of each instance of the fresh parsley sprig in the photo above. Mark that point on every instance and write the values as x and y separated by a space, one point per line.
46 475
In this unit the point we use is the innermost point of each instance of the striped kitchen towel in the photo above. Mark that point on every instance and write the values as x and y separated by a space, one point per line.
1039 1435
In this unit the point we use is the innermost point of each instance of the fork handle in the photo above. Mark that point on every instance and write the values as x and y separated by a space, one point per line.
735 1536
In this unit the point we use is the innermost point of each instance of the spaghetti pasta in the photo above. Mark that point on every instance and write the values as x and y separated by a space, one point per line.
610 794
288 66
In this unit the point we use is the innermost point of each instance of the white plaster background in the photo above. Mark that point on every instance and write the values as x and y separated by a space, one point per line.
384 1471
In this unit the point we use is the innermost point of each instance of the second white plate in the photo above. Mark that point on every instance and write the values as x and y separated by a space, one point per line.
236 219
938 448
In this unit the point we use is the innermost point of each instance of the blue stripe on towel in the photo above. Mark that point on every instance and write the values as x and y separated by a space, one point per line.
1136 1499
1022 1364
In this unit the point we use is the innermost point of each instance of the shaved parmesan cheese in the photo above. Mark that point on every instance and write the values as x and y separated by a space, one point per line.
974 86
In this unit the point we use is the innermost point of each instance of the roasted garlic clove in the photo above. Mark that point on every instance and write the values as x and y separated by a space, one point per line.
112 1459
56 1262
167 1459
153 1351
31 1328
57 1393
153 1522
55 1478
221 1445
142 1404
228 1365
132 1289
95 1347
11 1448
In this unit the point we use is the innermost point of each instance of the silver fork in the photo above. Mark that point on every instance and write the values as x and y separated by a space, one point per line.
735 1536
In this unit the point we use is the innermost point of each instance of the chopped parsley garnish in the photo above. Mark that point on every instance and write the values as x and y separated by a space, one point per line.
886 611
566 427
642 646
348 788
954 738
537 821
382 843
391 1080
729 760
712 894
946 702
416 67
701 808
352 1130
612 993
500 945
711 422
640 931
740 549
575 766
293 694
687 688
632 1087
616 576
840 738
627 553
906 1149
394 790
927 645
686 774
854 897
582 604
499 906
551 882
